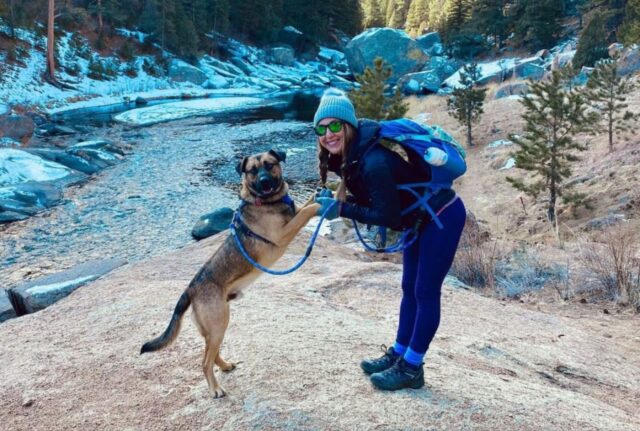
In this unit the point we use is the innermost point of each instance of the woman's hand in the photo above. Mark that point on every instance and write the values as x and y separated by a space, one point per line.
323 193
329 207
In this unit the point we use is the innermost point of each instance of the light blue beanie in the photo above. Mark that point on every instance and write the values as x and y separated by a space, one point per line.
336 104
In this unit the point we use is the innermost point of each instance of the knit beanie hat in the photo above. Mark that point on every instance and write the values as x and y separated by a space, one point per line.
335 104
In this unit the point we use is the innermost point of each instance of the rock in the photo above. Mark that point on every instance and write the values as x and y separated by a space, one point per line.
11 216
427 41
9 142
246 69
562 60
180 71
420 82
215 82
331 56
141 101
583 76
543 54
36 295
293 37
72 161
212 223
6 309
17 127
442 66
50 129
604 222
500 143
437 49
629 61
4 109
615 49
396 48
530 68
515 89
28 199
282 55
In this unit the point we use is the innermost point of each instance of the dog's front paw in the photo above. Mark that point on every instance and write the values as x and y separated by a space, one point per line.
218 392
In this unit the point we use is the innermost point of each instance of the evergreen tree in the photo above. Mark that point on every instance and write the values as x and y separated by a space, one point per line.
630 30
466 102
592 45
417 17
553 115
218 11
344 15
488 17
399 10
458 13
372 14
539 23
370 100
613 11
608 93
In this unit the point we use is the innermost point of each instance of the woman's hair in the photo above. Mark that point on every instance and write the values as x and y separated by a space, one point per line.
323 158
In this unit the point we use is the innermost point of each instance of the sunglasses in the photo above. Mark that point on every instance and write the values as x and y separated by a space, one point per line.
334 126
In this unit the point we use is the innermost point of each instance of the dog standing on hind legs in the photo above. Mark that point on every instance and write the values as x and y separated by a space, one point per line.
267 221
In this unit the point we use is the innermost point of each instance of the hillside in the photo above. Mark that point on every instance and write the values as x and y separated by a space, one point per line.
298 340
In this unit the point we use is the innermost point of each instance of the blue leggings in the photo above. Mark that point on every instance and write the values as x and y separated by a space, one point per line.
425 265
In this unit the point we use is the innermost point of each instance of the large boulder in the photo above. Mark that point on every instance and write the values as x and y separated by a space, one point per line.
530 68
36 295
293 37
17 127
212 223
427 41
6 309
427 81
444 67
515 89
562 60
629 61
282 55
180 71
396 48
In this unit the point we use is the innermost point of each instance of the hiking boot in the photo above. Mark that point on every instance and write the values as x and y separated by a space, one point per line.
401 375
370 366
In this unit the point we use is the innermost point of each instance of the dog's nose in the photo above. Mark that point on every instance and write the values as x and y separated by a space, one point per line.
265 183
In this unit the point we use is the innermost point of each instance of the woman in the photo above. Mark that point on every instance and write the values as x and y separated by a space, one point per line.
370 173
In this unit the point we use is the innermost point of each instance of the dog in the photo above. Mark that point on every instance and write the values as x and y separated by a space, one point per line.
266 223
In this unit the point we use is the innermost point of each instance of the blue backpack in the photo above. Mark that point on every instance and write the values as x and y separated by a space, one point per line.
417 139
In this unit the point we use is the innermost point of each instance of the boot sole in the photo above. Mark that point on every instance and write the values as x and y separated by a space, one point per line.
413 385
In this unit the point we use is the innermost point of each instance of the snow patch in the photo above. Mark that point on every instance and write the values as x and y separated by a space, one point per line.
45 288
18 166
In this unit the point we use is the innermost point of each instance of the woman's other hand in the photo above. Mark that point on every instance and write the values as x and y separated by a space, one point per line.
328 207
323 193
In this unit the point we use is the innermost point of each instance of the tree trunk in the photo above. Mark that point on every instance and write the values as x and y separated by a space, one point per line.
469 138
551 211
99 16
51 65
610 132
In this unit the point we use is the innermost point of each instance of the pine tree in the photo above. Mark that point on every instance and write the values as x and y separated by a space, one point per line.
592 45
417 17
539 23
488 17
370 100
399 10
372 14
630 30
553 115
608 93
458 13
218 11
466 102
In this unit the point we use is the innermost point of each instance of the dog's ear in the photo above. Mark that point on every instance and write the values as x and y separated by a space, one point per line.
280 155
242 164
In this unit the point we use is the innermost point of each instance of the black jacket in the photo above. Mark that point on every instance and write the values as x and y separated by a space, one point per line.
371 175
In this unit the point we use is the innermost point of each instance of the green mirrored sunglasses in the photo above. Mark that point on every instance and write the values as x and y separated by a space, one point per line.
334 126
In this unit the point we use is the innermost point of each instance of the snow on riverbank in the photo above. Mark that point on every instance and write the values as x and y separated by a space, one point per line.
191 108
18 166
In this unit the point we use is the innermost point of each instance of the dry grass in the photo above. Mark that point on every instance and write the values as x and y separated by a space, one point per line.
611 266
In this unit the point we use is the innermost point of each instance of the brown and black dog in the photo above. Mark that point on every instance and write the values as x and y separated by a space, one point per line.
267 223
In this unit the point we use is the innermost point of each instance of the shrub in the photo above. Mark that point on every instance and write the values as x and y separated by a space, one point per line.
523 271
611 266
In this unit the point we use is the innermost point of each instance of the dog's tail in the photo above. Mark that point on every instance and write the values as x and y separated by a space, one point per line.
172 330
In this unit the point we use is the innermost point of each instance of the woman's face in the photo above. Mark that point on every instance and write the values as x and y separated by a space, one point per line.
333 142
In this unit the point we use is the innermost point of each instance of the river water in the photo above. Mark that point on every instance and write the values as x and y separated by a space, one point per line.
148 204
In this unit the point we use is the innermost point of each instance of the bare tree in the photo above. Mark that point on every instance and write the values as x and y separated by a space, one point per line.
51 64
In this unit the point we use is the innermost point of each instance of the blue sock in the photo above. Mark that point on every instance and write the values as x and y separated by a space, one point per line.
413 358
399 349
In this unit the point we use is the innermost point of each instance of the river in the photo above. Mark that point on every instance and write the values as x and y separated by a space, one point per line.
148 204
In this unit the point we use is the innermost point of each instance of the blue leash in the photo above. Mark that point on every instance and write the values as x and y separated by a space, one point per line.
399 246
307 253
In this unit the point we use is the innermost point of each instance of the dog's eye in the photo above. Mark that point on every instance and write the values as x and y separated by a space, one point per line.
253 170
268 166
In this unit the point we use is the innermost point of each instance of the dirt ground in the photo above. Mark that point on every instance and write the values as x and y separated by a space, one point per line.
298 340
